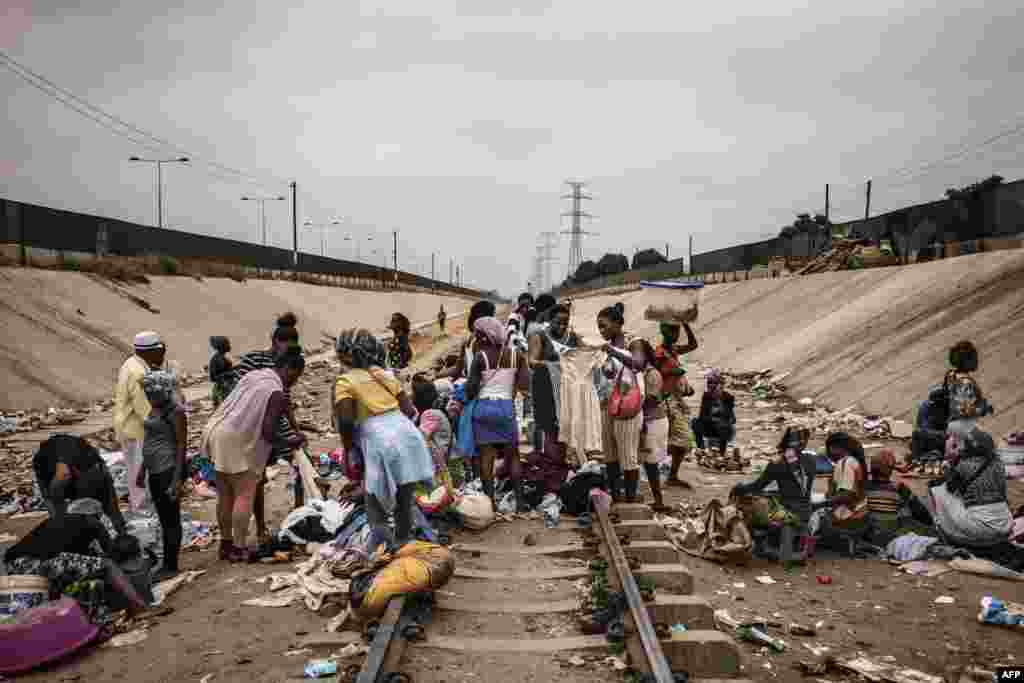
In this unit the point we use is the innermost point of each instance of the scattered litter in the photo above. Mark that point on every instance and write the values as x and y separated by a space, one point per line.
351 650
807 401
985 568
131 638
945 600
817 650
207 678
298 653
756 635
164 589
999 613
926 568
282 599
576 660
318 668
796 629
740 585
677 631
766 580
615 663
824 579
874 671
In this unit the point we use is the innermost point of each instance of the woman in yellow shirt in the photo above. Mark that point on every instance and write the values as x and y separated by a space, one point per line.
373 414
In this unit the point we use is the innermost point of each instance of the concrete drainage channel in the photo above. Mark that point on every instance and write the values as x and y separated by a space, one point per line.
509 612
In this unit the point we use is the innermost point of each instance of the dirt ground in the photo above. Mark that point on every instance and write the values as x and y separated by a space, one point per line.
870 607
66 334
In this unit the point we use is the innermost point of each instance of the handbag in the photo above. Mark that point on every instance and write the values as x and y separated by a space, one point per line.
628 406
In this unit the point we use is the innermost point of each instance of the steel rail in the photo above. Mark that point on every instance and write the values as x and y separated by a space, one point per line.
617 559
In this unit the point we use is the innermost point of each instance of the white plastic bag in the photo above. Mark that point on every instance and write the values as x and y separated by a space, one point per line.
551 507
477 511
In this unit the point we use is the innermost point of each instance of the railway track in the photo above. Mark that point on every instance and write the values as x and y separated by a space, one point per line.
510 613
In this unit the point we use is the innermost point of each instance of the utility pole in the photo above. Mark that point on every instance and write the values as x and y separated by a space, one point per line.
576 230
159 163
433 273
666 251
451 271
546 282
458 276
396 256
867 202
689 265
295 224
827 204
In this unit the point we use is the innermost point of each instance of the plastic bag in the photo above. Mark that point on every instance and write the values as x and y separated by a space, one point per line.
437 500
551 508
417 567
477 511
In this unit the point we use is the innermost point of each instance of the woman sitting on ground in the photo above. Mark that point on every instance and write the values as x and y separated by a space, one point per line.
846 497
74 546
790 507
374 417
970 505
717 419
239 438
966 401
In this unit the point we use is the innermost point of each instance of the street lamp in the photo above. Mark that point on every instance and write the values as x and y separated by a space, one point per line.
350 238
160 182
323 231
261 212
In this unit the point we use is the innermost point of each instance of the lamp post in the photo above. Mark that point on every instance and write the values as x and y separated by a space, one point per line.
323 233
160 182
350 238
261 213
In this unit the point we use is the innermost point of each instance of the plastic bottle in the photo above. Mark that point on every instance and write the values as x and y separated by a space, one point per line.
317 668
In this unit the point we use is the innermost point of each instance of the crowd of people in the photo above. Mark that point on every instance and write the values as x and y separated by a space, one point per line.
463 422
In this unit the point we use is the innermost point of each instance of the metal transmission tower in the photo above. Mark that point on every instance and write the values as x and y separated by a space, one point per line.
549 240
576 231
536 285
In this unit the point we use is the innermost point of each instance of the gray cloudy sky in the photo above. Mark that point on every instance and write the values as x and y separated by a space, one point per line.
456 122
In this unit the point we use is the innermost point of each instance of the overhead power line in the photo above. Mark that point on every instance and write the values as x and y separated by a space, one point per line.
124 129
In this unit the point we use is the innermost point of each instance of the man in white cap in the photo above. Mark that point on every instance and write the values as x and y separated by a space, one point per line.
131 406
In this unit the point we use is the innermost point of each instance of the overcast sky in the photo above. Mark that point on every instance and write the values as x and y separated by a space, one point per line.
456 122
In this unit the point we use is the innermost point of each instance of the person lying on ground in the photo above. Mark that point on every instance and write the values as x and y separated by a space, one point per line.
789 507
668 359
239 438
163 459
74 547
970 504
374 417
717 419
60 465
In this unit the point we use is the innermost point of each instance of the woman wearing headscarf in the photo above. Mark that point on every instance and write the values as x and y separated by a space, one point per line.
620 437
239 438
970 505
717 417
654 434
497 372
284 336
676 389
374 414
399 353
479 310
793 473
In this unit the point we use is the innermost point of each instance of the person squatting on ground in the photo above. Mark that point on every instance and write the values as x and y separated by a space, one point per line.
655 430
675 389
75 545
497 372
220 369
163 459
847 498
374 417
717 419
239 438
620 434
61 465
435 427
283 337
788 510
131 406
966 401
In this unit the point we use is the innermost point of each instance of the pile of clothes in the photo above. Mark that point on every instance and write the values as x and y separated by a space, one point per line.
1012 456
